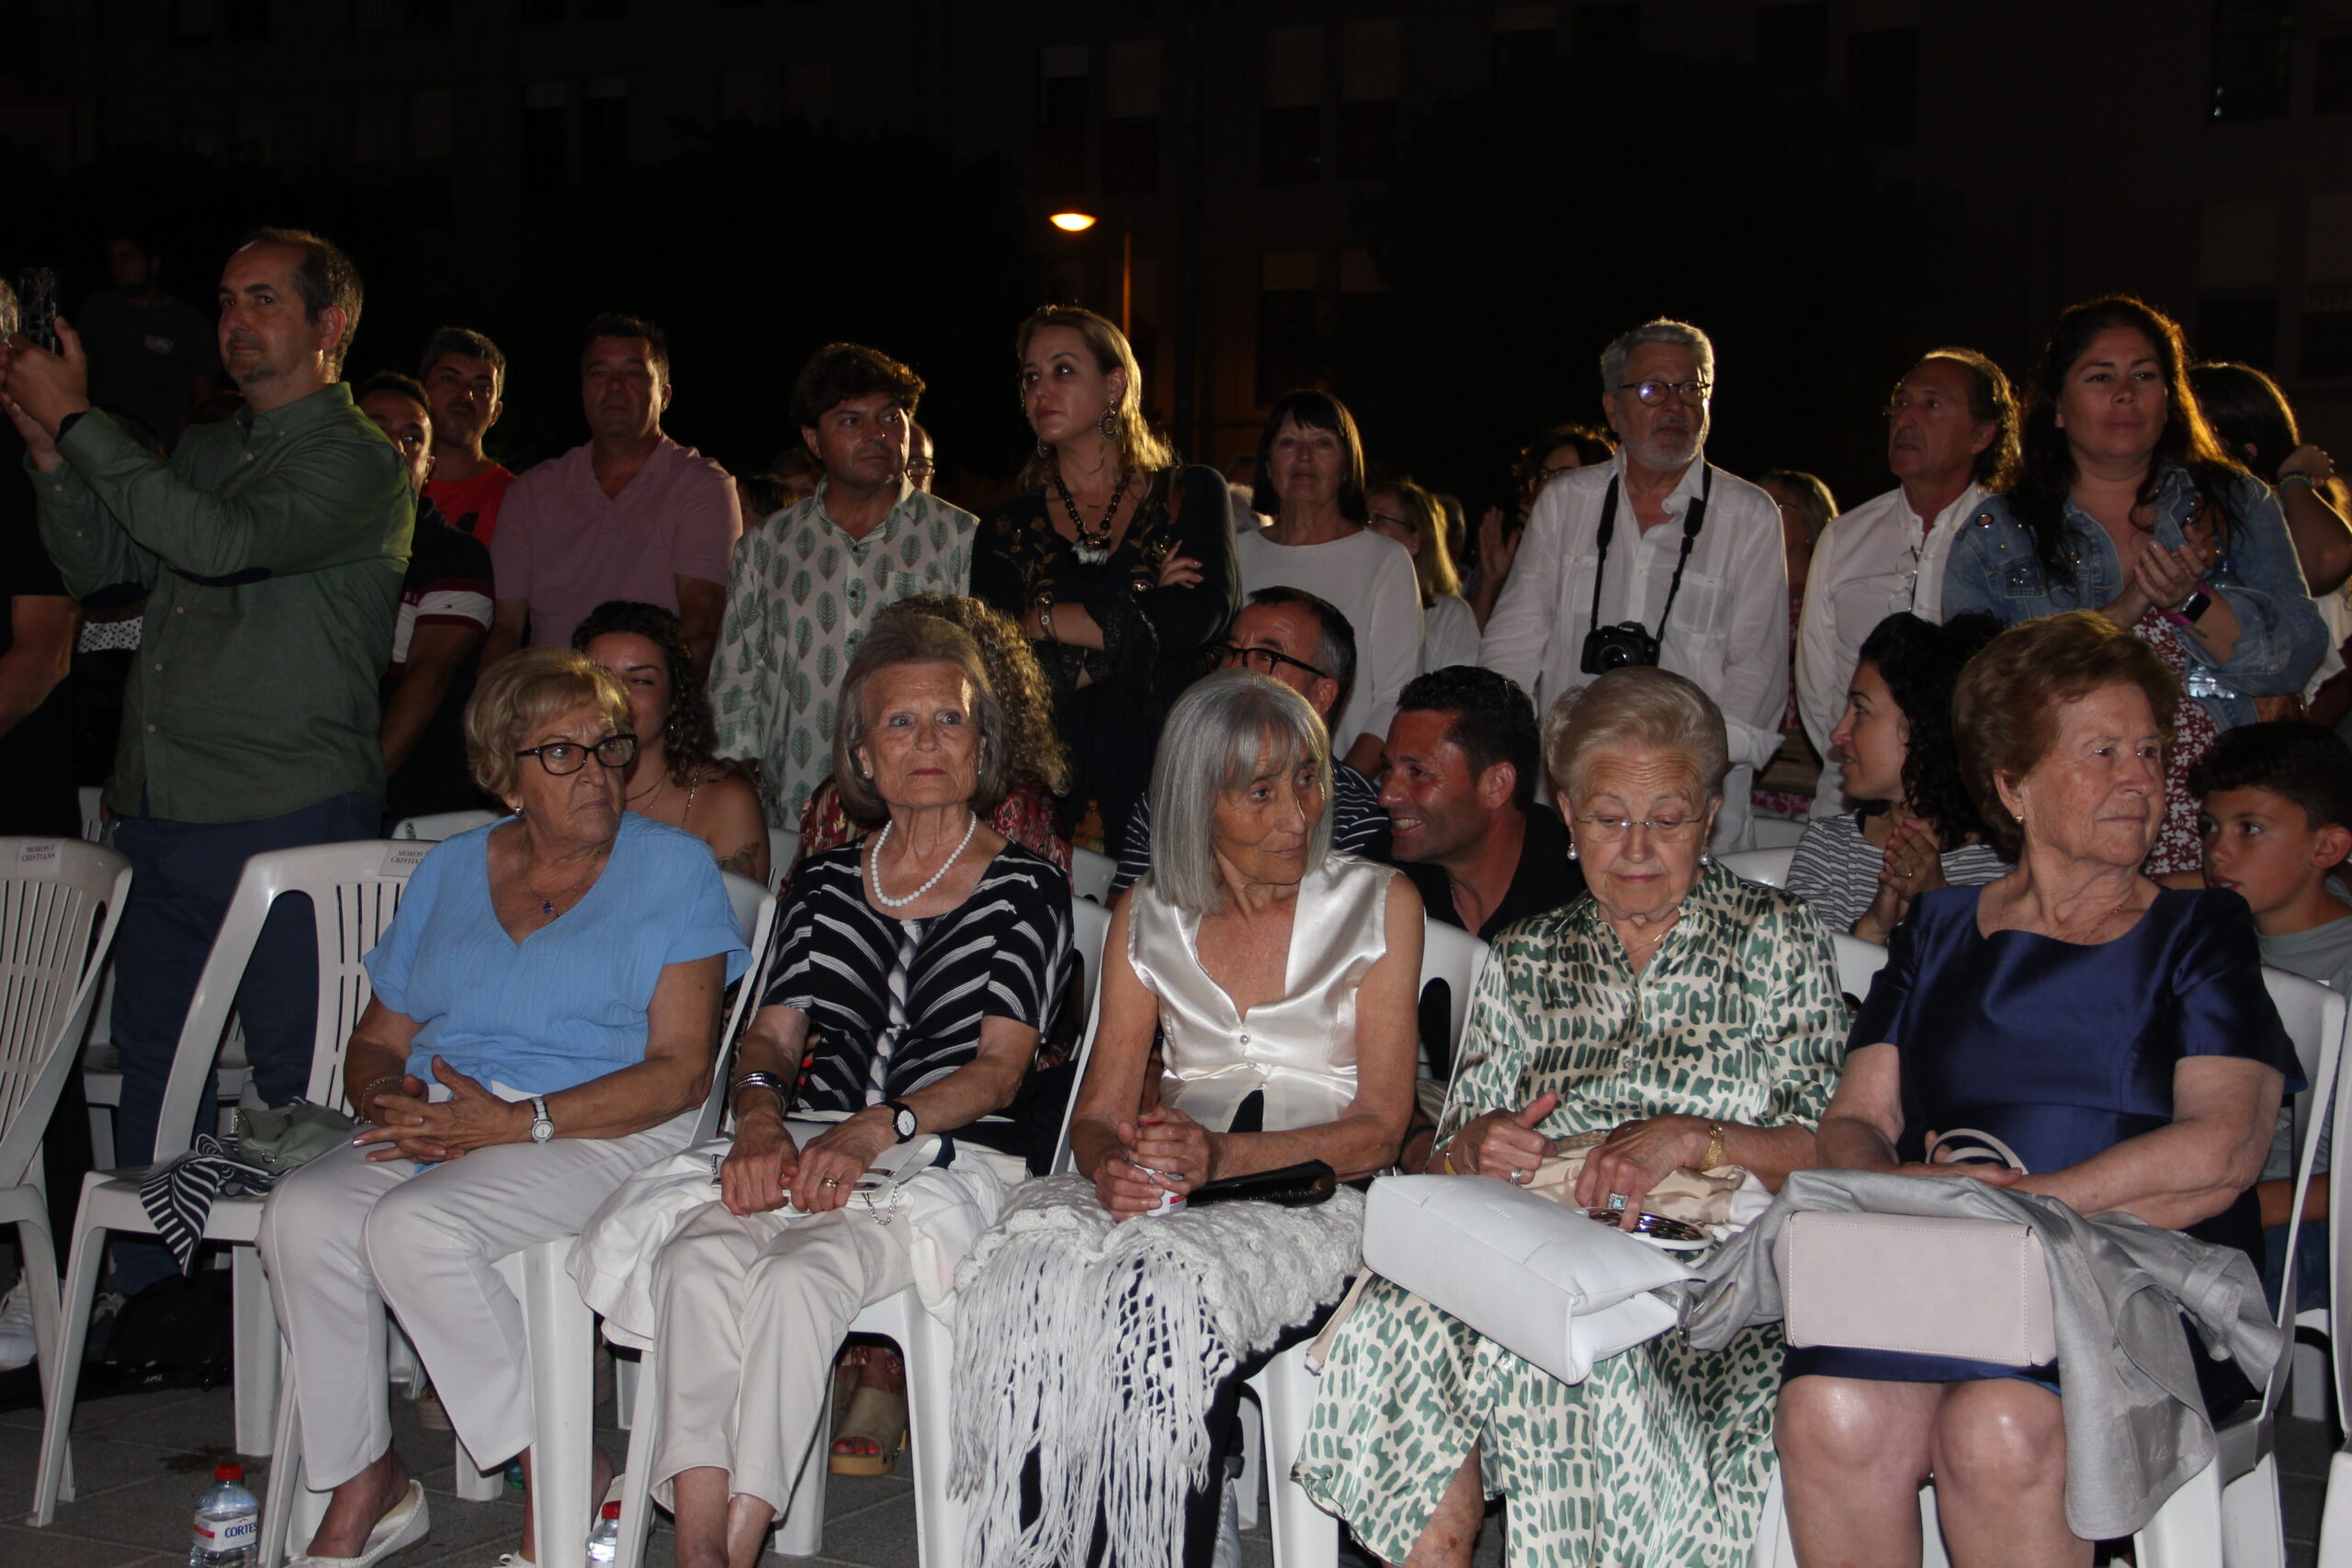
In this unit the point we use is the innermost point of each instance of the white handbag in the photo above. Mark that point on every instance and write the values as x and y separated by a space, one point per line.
1541 1280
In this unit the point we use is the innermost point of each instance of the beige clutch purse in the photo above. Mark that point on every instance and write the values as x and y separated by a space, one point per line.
1974 1288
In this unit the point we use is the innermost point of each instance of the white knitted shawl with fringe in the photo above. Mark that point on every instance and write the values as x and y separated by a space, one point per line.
1099 1345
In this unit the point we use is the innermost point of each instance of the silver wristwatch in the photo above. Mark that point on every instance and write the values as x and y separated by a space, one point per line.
542 1129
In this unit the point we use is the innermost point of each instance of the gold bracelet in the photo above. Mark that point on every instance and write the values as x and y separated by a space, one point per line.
1045 622
368 1090
1714 1148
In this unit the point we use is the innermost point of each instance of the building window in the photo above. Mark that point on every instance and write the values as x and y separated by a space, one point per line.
2242 327
431 117
1793 44
1882 85
1131 116
2252 49
2328 332
1523 42
1061 119
748 94
1607 32
1290 126
2332 73
604 127
547 136
1370 119
1287 297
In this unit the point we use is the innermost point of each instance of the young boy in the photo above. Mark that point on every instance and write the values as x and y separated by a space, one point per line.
2278 814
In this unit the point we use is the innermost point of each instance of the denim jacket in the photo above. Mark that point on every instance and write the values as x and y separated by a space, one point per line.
2280 639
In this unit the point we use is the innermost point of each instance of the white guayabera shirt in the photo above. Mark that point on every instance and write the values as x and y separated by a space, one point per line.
1729 629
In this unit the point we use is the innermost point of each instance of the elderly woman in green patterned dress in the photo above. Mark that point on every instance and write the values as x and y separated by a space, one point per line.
1692 1017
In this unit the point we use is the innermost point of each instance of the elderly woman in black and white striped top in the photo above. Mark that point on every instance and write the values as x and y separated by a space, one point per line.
916 970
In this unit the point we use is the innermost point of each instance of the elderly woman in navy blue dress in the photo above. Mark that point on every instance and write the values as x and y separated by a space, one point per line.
2116 1035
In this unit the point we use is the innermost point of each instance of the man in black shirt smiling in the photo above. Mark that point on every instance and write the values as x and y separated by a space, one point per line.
1463 765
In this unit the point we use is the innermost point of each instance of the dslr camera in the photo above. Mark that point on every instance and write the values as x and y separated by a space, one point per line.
1625 646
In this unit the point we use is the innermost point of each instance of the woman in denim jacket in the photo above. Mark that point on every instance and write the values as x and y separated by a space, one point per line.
2127 505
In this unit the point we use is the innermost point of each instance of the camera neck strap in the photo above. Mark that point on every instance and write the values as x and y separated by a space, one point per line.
1693 520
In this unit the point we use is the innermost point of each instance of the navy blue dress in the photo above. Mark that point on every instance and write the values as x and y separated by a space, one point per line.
2062 1051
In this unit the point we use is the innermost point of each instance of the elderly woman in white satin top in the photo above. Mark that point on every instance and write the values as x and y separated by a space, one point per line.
1279 978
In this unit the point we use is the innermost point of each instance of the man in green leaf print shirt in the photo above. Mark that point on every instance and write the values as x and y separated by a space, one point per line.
807 581
271 548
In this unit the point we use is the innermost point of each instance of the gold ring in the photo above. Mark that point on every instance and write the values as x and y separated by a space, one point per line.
831 1181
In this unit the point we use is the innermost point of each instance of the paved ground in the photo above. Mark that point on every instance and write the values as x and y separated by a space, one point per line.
144 1458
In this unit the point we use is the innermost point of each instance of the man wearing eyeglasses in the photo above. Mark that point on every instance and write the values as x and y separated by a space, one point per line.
1656 556
1291 635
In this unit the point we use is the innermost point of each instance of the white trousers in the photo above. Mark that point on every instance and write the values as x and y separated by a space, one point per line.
343 1239
751 1310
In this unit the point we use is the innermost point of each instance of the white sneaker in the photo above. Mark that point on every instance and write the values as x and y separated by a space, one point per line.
17 1327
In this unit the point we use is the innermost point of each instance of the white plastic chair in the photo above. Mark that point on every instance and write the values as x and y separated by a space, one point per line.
353 888
1769 868
2228 1513
1090 874
1304 1535
1859 962
90 799
1777 832
436 826
61 900
561 1331
784 848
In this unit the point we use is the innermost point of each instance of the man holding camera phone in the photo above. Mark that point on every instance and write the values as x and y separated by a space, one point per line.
1657 557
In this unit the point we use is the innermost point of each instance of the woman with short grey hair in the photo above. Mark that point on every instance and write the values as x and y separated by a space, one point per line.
1279 979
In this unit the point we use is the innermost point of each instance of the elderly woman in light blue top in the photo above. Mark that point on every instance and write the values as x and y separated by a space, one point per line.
2127 505
545 1017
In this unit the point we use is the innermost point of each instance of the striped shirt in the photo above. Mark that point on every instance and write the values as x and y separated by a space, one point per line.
894 1005
1835 869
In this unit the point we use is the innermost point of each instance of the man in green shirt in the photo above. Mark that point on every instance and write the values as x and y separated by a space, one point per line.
271 547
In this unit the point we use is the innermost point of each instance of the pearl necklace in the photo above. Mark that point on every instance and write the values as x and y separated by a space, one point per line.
874 866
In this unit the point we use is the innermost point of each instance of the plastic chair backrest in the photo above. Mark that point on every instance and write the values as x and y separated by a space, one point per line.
1769 868
354 890
1859 962
1777 832
60 901
434 827
1454 955
2313 1017
1090 927
91 799
755 913
783 850
1091 875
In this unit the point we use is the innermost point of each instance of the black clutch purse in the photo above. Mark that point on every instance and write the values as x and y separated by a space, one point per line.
1297 1186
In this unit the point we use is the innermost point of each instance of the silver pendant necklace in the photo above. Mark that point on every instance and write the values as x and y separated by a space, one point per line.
874 866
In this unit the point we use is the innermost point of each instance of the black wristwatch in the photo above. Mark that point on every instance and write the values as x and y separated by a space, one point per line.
902 1117
2196 605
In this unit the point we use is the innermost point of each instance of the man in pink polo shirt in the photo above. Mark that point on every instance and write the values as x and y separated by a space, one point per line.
631 514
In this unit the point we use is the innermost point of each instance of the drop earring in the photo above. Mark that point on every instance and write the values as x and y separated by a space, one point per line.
1045 447
1110 425
1572 852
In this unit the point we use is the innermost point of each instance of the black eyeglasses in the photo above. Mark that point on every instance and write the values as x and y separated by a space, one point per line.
1264 661
1654 393
564 757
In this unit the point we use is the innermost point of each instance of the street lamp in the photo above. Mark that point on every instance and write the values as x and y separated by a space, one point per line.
1079 223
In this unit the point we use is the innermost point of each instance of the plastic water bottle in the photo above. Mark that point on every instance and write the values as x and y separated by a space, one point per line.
228 1523
604 1536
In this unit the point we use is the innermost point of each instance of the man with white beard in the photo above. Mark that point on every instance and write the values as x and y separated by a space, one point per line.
1655 557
